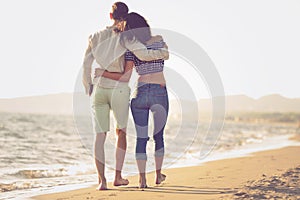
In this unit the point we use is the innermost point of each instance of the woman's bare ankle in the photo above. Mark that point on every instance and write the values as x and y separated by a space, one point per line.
160 178
142 181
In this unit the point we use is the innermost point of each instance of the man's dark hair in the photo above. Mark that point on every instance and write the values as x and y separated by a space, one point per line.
119 10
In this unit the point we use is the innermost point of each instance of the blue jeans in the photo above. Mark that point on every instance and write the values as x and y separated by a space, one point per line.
154 98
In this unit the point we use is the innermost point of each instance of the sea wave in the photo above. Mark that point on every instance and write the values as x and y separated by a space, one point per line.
15 186
30 174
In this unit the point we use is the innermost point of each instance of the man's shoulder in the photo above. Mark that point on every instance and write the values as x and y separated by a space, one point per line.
102 34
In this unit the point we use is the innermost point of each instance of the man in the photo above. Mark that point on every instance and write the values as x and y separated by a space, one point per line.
105 48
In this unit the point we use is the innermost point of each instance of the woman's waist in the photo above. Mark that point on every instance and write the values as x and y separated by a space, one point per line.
150 85
153 78
150 89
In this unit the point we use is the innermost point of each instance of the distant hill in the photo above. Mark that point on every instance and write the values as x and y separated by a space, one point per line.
269 103
243 103
278 103
63 104
46 104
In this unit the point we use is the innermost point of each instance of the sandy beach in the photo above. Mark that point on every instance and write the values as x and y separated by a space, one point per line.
270 174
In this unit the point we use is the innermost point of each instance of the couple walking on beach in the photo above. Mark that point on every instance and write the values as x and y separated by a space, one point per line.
118 49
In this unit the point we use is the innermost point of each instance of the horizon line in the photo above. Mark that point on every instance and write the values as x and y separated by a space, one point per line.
204 98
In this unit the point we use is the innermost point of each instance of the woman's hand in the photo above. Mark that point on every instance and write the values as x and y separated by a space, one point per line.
98 72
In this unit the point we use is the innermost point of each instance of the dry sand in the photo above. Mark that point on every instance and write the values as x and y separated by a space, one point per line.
265 175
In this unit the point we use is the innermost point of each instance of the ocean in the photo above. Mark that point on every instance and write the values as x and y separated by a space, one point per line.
51 153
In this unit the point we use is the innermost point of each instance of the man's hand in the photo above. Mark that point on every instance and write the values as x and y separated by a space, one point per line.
91 89
98 72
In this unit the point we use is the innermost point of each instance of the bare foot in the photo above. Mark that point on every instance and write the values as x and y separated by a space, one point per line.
142 186
160 178
143 183
120 182
102 185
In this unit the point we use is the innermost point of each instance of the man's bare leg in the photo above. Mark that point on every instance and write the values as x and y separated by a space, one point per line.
100 160
120 156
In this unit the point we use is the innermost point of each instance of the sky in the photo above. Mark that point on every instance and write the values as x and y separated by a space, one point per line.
254 44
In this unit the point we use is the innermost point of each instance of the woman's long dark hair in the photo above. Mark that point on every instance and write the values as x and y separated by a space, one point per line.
136 28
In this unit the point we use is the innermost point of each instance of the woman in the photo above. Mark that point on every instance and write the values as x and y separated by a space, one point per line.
151 94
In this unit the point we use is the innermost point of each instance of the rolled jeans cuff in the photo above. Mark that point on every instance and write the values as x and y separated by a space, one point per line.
141 156
159 152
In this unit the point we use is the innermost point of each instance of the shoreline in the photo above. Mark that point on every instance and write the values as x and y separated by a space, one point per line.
216 179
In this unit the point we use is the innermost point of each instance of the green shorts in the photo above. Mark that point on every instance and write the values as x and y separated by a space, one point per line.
106 99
